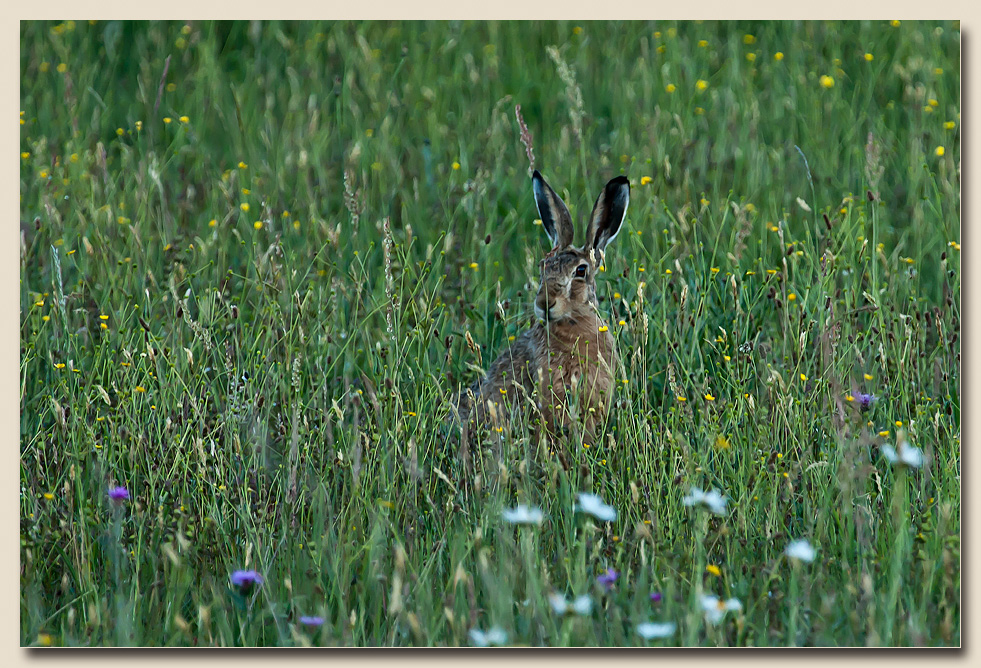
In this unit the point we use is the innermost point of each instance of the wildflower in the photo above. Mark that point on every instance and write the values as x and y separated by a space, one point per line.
864 400
25 155
670 88
167 119
950 125
714 570
593 505
778 55
608 579
185 119
118 493
826 81
702 43
701 84
709 397
800 550
715 608
748 39
456 165
582 605
242 165
244 580
523 515
894 23
722 443
656 597
244 206
939 151
652 630
644 180
869 57
903 454
712 500
311 621
257 224
494 636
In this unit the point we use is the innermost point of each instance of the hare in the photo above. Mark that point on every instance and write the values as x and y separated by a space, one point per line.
566 362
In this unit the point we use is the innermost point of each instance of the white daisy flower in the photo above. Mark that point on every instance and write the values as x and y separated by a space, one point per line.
582 605
711 500
715 608
903 454
801 550
652 630
593 505
523 515
493 636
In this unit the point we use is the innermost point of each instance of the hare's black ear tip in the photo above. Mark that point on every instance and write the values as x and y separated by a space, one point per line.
537 176
620 181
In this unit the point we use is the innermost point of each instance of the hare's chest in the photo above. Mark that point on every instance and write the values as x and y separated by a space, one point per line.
580 370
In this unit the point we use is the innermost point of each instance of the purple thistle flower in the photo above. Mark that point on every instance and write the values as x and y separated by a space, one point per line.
118 493
309 620
608 578
865 400
656 597
245 579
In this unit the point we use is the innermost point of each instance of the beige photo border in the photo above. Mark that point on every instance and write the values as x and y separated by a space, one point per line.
970 17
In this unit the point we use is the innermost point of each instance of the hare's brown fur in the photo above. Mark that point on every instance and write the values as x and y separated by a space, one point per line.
565 363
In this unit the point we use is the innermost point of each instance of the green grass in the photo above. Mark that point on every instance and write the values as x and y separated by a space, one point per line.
272 390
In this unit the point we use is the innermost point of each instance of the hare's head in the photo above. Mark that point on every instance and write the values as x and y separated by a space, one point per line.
568 287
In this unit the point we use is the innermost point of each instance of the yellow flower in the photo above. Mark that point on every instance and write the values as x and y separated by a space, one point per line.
699 111
713 569
722 443
950 125
167 119
778 55
714 270
604 328
244 206
120 132
938 71
257 224
791 297
644 180
751 57
25 155
62 68
703 202
140 388
868 376
474 265
894 23
682 399
242 165
939 151
869 57
748 39
577 30
803 377
932 102
702 43
369 133
456 165
827 82
671 88
185 119
701 84
212 222
709 397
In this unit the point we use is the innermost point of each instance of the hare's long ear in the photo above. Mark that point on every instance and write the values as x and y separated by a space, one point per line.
555 214
608 213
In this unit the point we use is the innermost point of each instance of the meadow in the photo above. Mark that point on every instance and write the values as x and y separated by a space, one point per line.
259 260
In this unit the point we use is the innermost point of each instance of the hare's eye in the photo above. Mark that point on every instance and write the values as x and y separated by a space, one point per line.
581 271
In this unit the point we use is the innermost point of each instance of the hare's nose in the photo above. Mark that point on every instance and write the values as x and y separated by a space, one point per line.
542 302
